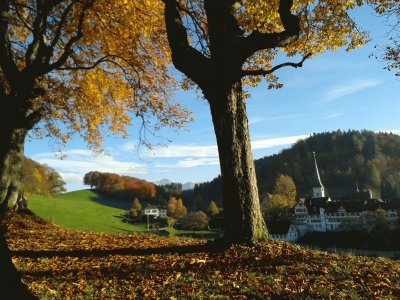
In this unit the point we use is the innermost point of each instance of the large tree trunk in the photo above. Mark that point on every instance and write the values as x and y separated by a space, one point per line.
11 198
11 286
11 168
242 215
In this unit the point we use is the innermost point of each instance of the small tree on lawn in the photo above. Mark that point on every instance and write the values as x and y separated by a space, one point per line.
195 221
213 209
171 206
180 210
135 209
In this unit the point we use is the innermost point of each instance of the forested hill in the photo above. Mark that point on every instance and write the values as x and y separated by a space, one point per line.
345 159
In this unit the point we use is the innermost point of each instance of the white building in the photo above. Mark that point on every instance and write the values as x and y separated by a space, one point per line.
283 231
155 211
321 214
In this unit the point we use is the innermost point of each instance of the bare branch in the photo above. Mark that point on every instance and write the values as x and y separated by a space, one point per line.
7 64
185 58
61 23
72 41
270 71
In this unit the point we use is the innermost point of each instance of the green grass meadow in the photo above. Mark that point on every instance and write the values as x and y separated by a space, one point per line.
84 210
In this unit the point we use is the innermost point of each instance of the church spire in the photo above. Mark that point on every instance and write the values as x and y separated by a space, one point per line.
317 172
318 189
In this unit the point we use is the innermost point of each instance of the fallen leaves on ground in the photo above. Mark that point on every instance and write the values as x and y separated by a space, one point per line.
63 264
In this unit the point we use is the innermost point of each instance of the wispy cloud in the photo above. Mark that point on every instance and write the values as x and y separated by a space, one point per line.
282 141
334 115
200 151
183 151
74 163
256 120
348 89
190 163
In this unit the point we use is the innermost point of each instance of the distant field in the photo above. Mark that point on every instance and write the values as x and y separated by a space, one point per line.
84 210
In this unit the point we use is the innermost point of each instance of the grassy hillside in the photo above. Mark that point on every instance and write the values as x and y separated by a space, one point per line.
84 210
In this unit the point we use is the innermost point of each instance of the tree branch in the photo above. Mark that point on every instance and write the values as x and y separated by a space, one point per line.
61 23
185 58
72 41
7 64
35 48
262 72
259 41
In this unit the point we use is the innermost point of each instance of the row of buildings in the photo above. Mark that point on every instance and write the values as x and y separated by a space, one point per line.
319 213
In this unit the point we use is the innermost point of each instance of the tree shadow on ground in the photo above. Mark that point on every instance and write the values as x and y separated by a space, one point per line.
110 202
206 248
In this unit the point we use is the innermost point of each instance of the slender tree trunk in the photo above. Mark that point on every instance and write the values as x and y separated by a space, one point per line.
242 215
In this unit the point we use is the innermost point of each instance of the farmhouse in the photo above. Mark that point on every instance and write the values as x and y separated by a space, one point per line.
155 211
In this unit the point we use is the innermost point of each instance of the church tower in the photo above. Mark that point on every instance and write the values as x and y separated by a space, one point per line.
318 190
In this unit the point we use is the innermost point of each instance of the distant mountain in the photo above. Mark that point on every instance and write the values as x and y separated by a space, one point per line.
185 186
188 186
162 182
347 161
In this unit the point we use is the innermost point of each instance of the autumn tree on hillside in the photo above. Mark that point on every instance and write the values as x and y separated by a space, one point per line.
286 187
171 206
213 209
87 64
41 179
282 200
135 209
120 186
221 45
176 208
180 210
195 221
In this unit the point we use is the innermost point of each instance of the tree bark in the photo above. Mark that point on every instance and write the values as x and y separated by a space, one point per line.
11 168
11 285
11 198
243 221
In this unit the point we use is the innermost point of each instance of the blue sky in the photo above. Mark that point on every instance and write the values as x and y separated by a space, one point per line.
332 91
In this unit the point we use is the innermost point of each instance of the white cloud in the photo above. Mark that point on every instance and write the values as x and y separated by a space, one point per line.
282 141
74 163
349 89
190 163
128 147
199 151
334 115
183 151
72 177
256 120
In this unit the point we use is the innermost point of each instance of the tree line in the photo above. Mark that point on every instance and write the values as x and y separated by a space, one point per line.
120 186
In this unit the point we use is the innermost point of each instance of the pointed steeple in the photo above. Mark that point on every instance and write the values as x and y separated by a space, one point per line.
317 171
318 189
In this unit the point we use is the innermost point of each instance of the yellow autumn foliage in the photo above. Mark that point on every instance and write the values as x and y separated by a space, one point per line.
326 25
115 69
